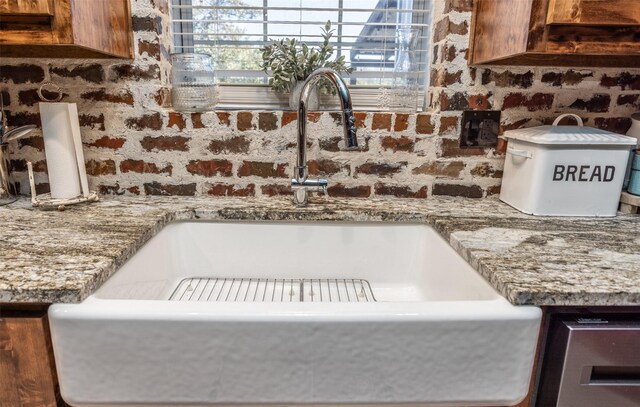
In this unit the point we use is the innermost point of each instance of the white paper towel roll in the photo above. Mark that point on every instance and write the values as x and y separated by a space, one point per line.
59 148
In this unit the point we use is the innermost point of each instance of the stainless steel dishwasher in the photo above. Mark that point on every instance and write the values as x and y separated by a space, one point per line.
592 362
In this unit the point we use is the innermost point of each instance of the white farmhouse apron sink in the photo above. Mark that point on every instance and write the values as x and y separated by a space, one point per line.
211 313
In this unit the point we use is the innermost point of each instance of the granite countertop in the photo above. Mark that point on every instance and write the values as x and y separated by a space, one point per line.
51 256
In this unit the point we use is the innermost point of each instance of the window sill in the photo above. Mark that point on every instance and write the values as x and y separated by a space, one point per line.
245 97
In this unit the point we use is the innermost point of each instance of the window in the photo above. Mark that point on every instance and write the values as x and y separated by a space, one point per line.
371 34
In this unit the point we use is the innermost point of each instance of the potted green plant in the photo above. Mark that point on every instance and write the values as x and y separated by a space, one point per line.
289 62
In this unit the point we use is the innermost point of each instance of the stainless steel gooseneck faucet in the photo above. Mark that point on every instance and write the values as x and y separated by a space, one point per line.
300 183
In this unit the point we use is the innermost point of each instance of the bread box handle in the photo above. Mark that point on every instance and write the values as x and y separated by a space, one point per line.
519 153
562 116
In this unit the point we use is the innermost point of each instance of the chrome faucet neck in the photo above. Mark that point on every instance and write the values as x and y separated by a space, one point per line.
300 184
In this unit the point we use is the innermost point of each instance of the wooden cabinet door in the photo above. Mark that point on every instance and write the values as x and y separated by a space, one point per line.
66 29
594 12
26 7
33 22
27 377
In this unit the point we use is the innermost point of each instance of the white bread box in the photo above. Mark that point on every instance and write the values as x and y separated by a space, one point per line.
565 170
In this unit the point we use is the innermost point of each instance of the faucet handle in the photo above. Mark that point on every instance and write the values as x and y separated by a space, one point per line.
310 184
301 188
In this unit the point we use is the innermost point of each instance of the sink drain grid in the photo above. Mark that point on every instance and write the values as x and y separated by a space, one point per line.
273 290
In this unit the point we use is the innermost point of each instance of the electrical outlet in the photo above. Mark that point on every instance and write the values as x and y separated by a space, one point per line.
480 128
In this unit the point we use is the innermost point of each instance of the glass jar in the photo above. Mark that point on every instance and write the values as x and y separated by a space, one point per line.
193 82
404 91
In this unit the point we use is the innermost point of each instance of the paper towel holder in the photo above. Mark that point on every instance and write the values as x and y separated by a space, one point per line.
46 201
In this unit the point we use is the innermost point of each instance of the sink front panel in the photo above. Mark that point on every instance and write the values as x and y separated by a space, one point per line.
161 353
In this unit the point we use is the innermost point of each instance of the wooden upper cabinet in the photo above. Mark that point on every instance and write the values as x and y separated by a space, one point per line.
556 33
594 12
26 7
66 28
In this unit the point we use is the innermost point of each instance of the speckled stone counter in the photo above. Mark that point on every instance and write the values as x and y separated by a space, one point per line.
51 256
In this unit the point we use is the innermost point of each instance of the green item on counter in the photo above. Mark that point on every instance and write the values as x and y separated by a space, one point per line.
634 180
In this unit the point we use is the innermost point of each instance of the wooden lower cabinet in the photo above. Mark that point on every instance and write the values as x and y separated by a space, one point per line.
27 368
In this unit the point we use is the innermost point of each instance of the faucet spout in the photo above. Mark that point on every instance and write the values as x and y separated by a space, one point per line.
300 183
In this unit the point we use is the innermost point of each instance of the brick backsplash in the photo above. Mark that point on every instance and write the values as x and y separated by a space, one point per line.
135 145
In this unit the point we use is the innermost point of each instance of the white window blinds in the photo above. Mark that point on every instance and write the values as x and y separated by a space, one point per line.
371 34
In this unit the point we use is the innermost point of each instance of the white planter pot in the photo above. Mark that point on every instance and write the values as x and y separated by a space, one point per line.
294 97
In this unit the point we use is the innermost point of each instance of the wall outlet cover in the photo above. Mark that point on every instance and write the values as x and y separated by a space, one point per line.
480 128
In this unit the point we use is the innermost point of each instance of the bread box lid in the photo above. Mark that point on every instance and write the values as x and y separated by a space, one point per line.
567 135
